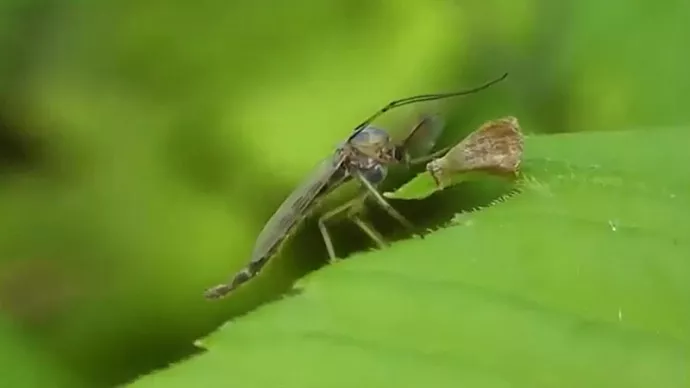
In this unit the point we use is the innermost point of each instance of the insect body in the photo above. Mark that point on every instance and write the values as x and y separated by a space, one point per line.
364 156
496 147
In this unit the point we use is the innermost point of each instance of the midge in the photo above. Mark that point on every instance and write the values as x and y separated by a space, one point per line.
365 156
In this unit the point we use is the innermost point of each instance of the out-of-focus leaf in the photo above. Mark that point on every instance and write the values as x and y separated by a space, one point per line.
25 365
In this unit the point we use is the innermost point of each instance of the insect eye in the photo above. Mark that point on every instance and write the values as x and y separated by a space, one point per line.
376 174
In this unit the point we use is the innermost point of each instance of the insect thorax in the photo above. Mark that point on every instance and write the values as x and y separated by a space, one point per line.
373 169
369 152
374 143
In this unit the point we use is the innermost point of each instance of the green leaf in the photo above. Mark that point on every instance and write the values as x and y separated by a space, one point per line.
579 279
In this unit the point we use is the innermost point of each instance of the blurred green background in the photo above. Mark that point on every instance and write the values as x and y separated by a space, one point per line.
144 143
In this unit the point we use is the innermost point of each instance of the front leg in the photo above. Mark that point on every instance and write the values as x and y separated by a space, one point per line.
375 236
382 201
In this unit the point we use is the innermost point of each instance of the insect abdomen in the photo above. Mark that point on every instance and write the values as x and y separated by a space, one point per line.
287 225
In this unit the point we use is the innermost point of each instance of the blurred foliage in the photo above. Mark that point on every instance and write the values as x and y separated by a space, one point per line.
25 364
144 143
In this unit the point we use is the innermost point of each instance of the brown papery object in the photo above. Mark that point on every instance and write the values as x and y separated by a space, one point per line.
496 147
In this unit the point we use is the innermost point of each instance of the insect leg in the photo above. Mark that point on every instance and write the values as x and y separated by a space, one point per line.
382 201
428 158
352 208
369 230
324 230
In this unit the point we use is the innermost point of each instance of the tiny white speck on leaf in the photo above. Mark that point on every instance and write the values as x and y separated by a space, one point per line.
613 225
620 314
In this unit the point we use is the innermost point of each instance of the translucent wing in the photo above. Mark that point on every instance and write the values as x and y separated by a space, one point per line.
284 221
423 137
295 207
